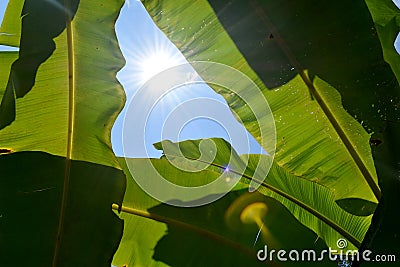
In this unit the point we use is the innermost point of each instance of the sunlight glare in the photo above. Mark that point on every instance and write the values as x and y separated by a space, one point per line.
156 63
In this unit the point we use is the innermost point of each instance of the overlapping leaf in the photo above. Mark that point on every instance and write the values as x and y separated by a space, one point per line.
157 234
312 204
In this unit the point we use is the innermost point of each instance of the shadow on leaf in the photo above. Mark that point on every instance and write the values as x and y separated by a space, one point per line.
235 238
42 21
31 187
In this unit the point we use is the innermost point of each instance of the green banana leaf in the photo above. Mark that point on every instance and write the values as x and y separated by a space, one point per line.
59 99
216 234
223 221
30 80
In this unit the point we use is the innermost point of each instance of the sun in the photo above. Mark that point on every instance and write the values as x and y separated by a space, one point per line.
155 61
147 57
150 58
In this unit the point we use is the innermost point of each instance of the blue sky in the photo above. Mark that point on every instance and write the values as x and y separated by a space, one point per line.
145 47
147 51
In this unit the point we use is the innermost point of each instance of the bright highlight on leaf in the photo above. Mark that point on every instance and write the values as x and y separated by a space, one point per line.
254 213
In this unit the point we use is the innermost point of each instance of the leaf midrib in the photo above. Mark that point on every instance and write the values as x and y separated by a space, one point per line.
71 116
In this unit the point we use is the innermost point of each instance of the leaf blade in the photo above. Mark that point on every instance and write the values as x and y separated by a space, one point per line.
67 110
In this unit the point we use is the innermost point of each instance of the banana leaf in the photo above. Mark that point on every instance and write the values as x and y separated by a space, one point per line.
59 99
